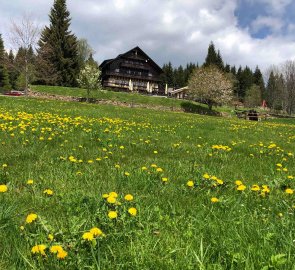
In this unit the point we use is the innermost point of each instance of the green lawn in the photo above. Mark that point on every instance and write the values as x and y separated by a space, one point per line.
172 163
131 99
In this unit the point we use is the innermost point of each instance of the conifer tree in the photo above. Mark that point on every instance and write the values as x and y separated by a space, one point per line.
258 80
213 58
12 72
58 47
4 79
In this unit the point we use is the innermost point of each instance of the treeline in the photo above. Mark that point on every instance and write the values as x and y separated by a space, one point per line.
249 86
57 60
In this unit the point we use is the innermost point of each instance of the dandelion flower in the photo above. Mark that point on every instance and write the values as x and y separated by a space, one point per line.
255 188
214 200
56 248
128 197
289 191
112 214
238 182
126 173
132 211
96 231
31 217
111 200
113 194
241 187
48 192
38 249
62 254
30 182
3 188
87 236
164 179
190 183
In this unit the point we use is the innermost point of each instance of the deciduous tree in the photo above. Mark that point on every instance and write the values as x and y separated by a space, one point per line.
89 78
210 86
24 35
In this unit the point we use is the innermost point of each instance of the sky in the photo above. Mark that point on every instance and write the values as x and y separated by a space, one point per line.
247 32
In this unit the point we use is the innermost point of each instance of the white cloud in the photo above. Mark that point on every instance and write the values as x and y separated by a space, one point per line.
169 30
274 24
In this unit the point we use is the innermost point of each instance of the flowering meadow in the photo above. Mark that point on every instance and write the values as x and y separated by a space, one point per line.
102 187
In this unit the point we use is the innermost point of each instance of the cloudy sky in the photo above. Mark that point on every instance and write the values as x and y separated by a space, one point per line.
247 32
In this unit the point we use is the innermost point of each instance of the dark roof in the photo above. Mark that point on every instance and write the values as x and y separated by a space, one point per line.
106 62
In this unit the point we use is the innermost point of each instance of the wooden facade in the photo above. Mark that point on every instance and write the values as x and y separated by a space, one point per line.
132 71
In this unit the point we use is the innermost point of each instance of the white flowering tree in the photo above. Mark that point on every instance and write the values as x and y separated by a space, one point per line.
89 78
210 86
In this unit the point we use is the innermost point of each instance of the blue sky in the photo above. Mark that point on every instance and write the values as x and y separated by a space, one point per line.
277 17
247 32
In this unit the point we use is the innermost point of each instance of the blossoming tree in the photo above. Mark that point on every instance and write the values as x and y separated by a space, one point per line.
89 78
211 86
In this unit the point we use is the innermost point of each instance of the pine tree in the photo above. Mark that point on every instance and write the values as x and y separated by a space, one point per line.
179 77
245 78
258 80
4 79
168 76
58 47
12 72
211 58
214 58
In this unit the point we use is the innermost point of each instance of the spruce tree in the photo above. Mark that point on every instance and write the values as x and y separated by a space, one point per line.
12 72
213 58
58 47
258 80
4 79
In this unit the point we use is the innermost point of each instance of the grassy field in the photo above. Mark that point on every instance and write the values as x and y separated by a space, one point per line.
132 99
203 192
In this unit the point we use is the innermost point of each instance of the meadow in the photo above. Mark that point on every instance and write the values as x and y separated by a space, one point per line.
86 186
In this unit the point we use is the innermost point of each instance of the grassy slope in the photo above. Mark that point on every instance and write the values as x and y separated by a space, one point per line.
177 227
130 98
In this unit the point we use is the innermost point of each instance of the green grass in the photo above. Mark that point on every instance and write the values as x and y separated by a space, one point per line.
131 99
176 227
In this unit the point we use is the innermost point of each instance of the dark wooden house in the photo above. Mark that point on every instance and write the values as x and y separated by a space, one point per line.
132 71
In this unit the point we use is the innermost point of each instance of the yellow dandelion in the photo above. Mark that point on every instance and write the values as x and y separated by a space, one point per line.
126 173
159 170
56 249
289 191
113 194
255 188
214 200
48 192
206 176
62 254
96 231
31 217
144 168
50 237
87 236
3 188
38 249
30 182
164 179
111 200
132 211
238 182
241 187
112 214
128 197
190 183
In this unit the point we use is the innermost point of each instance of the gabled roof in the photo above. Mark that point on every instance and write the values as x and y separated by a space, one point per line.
154 64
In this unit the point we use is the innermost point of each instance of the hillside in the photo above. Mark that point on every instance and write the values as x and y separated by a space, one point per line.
203 192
